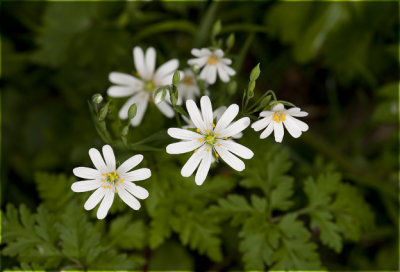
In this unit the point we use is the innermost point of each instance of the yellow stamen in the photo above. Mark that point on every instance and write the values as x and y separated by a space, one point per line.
109 187
217 134
213 124
208 149
103 180
115 191
105 186
201 139
115 173
279 116
207 130
226 138
219 144
195 150
104 174
216 155
122 180
212 60
198 130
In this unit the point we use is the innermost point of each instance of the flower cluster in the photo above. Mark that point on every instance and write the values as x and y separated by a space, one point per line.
208 135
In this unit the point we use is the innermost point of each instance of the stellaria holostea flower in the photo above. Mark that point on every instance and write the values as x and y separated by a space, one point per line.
141 89
107 180
209 139
213 62
275 119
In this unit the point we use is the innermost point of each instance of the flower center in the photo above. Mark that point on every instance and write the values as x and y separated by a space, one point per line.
279 116
213 60
210 139
149 86
187 80
111 180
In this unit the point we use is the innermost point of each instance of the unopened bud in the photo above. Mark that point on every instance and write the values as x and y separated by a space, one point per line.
97 98
177 78
255 73
216 28
132 111
160 95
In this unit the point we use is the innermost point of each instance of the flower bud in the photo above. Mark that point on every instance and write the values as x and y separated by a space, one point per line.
132 111
97 98
177 78
160 95
255 73
216 28
230 41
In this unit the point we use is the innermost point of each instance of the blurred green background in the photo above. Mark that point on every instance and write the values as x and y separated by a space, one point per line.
336 60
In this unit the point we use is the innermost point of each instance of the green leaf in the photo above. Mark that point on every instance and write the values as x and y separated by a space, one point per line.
127 234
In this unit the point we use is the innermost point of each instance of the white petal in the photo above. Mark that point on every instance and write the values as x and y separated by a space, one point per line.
195 115
204 167
128 199
94 199
193 162
206 110
292 128
211 76
120 91
223 75
85 185
183 134
261 124
97 160
229 70
199 62
226 61
195 52
109 157
230 159
86 173
141 109
129 164
278 107
167 68
136 175
300 124
296 112
227 118
105 204
266 113
138 58
237 149
150 59
166 109
218 53
135 190
124 79
183 147
267 131
236 127
278 131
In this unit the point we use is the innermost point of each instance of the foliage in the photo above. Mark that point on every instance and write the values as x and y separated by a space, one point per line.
325 201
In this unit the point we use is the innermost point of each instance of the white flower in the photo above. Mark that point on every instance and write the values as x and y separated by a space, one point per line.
210 139
279 116
213 62
141 89
188 88
107 180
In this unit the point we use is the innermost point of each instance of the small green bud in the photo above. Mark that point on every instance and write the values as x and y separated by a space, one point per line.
230 42
125 131
255 73
265 102
103 112
132 111
97 98
216 28
173 92
250 91
177 78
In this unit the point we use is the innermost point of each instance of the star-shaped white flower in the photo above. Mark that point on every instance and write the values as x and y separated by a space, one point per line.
187 87
213 62
275 119
108 180
210 139
141 89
